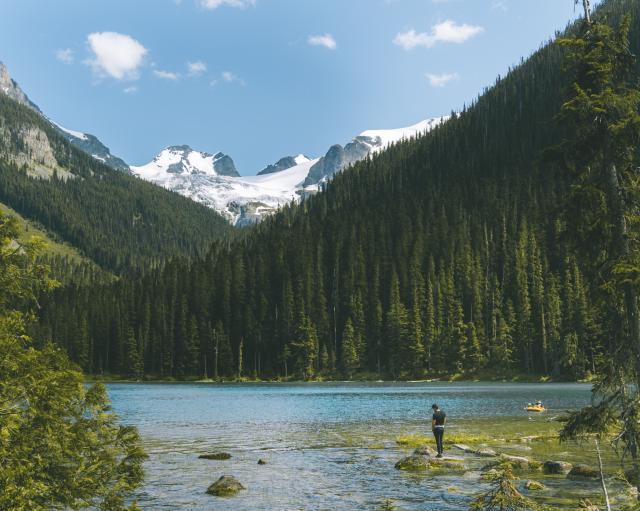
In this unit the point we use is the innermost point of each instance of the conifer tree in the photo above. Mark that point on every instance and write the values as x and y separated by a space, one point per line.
350 361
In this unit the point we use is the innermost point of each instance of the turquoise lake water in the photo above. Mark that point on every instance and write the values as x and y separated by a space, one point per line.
328 446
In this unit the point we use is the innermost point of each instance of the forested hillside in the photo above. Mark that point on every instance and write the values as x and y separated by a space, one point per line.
443 254
116 220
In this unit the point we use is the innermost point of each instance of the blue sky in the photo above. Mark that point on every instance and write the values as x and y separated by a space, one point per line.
261 79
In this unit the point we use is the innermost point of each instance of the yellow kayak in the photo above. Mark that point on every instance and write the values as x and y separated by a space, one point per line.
535 408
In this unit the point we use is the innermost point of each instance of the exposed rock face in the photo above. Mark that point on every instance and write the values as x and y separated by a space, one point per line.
337 159
215 456
583 472
226 486
556 467
35 151
83 141
9 87
283 164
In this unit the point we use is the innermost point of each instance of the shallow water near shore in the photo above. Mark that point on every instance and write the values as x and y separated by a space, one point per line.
332 446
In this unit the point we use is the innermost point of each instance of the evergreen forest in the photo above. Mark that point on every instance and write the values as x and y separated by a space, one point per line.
446 254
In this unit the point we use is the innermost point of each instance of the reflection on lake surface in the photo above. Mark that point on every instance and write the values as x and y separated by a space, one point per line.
328 446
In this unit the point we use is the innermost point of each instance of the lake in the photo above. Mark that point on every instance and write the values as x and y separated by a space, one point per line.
328 446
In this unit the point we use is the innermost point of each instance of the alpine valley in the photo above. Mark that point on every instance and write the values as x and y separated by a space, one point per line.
298 323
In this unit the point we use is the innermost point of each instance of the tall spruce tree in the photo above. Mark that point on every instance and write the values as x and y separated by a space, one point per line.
602 122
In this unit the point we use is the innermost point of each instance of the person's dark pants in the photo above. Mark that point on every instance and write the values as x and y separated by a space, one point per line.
438 433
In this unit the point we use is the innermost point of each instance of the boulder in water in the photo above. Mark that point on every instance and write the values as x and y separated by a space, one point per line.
215 456
583 472
413 463
425 450
485 452
534 485
517 462
557 467
262 462
226 486
448 463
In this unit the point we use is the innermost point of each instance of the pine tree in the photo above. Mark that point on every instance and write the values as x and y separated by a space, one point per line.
350 360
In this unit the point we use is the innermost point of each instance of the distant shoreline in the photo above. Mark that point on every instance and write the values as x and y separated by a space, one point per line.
518 379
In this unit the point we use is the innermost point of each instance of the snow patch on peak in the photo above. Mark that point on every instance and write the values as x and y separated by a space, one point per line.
380 139
77 134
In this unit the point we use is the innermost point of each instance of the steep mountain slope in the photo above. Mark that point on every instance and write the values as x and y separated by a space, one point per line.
213 180
90 144
115 219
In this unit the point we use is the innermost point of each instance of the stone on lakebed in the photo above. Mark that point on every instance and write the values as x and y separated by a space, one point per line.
556 467
583 472
226 486
215 456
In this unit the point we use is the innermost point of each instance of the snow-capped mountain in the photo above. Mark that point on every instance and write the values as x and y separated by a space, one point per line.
212 179
90 144
180 161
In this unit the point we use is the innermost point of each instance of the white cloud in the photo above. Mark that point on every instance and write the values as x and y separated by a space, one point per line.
116 55
442 79
325 40
130 90
65 55
166 75
230 77
196 68
445 32
214 4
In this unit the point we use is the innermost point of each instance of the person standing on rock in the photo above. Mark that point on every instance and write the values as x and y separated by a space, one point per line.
438 421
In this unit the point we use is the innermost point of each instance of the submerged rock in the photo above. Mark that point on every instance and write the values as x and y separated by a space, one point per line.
449 463
226 486
463 447
413 463
215 456
534 485
517 462
583 472
557 467
425 450
485 452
